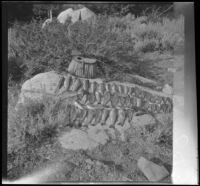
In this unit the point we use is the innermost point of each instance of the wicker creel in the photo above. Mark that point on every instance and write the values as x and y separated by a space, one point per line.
83 67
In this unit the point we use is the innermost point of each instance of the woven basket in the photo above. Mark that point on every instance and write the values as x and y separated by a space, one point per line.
83 67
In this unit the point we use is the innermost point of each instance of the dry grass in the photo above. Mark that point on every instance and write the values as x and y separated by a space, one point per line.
121 43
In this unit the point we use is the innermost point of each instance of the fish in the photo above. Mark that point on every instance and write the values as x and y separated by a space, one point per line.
101 88
98 97
77 85
122 101
121 89
86 84
73 113
115 88
91 98
80 95
93 86
128 101
105 116
138 102
137 91
131 90
84 99
68 82
99 116
108 87
95 113
126 90
130 115
134 102
78 105
106 98
82 114
113 118
121 117
89 117
114 99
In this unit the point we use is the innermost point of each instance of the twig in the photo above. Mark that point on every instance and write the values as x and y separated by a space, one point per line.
165 10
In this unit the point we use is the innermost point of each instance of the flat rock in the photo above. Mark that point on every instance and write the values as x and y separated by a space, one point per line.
78 139
151 170
143 120
98 135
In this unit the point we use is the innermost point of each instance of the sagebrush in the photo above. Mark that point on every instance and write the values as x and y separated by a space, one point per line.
109 37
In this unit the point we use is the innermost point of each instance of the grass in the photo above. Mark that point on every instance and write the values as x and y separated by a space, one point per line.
120 40
121 47
32 144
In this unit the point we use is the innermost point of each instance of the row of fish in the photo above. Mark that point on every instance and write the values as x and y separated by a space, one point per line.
110 117
115 95
115 100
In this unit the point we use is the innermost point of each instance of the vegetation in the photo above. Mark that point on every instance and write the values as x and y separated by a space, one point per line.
116 40
119 42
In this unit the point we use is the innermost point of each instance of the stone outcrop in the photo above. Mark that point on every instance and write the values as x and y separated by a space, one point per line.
95 92
75 15
99 105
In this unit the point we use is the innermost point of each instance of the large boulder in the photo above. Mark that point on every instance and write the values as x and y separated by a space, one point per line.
75 15
43 83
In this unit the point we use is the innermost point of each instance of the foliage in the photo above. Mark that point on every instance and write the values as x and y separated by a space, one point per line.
117 39
30 128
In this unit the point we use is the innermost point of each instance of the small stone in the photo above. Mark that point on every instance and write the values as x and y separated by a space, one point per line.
98 163
167 89
89 161
151 170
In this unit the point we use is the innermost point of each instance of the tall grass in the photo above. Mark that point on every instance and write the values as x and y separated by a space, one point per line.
109 37
31 129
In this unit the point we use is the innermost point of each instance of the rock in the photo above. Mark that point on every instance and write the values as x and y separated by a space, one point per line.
167 89
122 130
43 83
77 139
89 161
98 163
171 70
74 15
151 170
164 118
98 135
142 120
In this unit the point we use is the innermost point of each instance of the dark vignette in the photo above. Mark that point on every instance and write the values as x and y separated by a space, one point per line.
4 88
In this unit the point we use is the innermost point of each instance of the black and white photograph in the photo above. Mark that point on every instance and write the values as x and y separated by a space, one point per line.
93 89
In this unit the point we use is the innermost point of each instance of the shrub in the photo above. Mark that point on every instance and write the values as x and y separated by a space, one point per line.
115 38
29 128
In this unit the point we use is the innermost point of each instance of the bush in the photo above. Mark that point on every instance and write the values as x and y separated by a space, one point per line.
29 128
117 39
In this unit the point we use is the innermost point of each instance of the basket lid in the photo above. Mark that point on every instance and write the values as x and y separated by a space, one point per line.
85 60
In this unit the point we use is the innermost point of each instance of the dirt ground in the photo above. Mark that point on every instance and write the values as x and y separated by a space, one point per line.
117 160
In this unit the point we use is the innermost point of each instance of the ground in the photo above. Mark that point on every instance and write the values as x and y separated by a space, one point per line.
117 160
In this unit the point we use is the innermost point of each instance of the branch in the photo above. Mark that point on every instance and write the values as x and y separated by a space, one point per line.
166 10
